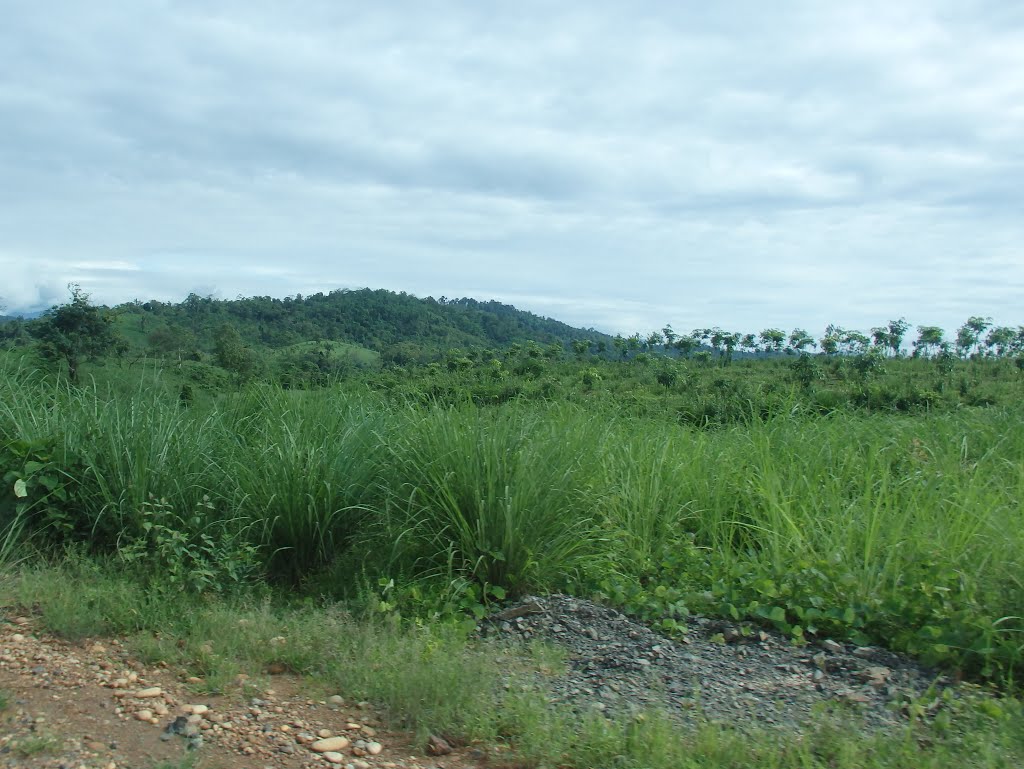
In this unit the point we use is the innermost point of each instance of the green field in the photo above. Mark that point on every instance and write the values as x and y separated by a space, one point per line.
821 496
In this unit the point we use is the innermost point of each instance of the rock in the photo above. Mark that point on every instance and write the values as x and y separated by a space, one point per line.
152 691
333 757
329 745
177 726
373 748
197 710
324 733
437 746
863 651
335 701
832 646
876 672
144 715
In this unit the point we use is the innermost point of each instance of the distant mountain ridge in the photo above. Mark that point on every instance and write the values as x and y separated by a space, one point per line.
373 318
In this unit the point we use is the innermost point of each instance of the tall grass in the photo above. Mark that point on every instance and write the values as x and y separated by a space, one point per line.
306 471
501 495
911 523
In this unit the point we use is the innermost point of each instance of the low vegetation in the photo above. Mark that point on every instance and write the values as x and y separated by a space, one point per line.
373 501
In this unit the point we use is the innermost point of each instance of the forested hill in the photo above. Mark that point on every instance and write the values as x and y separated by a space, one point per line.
381 320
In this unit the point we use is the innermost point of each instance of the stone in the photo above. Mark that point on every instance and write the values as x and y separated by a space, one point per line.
149 693
832 646
144 715
329 745
335 701
334 757
374 748
324 734
438 746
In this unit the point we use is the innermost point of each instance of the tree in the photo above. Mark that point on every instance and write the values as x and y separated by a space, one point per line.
232 354
968 335
670 336
854 342
75 331
800 340
1000 341
686 344
830 342
654 340
897 330
619 343
171 340
772 339
929 339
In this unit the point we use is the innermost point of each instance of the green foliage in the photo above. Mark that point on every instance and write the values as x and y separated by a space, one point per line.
74 332
198 553
37 490
733 491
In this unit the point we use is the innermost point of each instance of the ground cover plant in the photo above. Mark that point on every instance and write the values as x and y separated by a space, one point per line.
899 529
861 496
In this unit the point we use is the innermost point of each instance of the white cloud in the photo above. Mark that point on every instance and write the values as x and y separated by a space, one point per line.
612 165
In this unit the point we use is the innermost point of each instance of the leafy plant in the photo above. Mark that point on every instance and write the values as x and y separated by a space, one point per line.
195 553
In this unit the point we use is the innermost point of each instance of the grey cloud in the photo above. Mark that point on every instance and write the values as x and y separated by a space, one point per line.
732 165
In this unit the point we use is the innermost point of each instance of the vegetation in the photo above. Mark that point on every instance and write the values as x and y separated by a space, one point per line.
415 474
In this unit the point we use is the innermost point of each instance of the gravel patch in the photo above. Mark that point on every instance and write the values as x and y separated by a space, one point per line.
720 671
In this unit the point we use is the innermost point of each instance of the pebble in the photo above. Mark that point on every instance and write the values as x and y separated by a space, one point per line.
149 693
832 646
336 701
329 745
334 757
144 715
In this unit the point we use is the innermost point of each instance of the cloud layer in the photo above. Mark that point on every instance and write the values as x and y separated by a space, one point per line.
613 167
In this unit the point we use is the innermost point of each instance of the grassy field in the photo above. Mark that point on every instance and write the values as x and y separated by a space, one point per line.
900 528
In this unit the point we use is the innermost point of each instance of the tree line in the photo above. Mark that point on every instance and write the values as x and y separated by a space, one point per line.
978 337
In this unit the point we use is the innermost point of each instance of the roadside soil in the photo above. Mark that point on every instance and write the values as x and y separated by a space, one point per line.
92 705
71 705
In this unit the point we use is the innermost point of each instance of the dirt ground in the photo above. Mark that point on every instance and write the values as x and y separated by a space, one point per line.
91 705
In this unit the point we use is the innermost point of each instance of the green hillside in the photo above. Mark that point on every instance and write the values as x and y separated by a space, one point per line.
399 326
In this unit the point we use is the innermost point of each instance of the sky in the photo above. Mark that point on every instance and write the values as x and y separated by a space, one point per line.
613 165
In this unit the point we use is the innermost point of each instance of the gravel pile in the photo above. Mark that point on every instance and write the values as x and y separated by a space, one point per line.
720 672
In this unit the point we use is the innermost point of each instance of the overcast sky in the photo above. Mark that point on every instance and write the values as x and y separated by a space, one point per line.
611 164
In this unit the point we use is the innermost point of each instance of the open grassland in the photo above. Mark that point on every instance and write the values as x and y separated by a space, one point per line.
371 521
903 530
